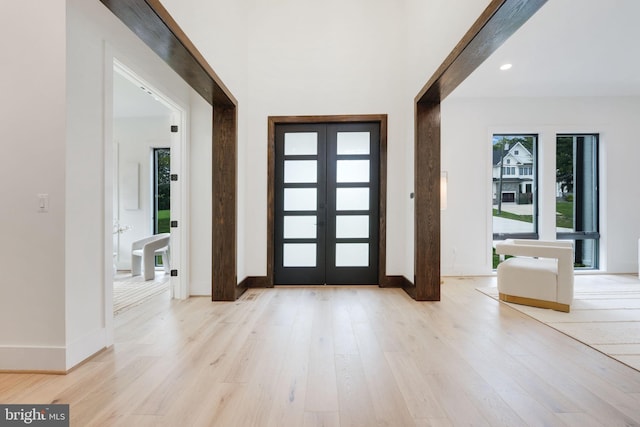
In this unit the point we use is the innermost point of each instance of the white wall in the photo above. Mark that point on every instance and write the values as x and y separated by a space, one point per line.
467 124
200 251
32 113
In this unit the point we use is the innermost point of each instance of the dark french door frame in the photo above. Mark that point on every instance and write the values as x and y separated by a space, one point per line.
380 119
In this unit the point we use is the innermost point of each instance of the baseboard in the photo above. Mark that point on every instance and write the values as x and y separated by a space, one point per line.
52 359
263 282
256 282
45 359
395 282
85 347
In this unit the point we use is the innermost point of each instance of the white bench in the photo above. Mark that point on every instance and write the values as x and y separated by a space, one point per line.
144 252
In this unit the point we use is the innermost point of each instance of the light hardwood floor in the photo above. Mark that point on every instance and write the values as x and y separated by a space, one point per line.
339 356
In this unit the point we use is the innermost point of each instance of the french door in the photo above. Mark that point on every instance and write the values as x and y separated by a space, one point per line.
326 203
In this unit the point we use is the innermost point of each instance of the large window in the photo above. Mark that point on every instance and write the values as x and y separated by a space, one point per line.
577 195
514 187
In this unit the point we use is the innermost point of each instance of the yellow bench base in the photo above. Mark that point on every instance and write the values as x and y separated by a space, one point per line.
535 302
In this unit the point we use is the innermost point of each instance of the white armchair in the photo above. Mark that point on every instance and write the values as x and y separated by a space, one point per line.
144 251
539 274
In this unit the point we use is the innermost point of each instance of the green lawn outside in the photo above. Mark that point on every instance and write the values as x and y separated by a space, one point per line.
509 215
163 221
164 217
496 259
564 215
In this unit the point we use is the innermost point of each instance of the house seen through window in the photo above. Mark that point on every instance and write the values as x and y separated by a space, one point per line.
514 188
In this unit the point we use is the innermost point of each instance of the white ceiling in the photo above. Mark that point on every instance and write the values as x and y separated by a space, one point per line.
568 48
130 100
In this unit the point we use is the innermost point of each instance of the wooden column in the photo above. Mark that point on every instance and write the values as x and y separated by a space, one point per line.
427 203
223 263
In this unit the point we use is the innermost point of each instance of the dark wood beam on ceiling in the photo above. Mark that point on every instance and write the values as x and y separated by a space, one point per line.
496 24
153 24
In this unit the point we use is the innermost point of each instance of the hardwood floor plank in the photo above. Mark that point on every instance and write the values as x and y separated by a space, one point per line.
344 340
322 389
356 406
321 419
289 392
414 386
100 398
223 407
389 405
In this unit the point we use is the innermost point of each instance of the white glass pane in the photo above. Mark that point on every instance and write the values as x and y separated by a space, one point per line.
299 255
353 142
352 226
352 255
300 143
352 171
300 171
300 227
300 199
352 199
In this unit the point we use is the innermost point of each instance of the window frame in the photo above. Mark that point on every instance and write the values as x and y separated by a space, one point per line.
534 183
586 235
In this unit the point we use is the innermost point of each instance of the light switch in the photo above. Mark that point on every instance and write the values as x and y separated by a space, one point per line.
43 203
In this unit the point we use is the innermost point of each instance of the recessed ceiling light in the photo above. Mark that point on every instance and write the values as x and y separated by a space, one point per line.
505 67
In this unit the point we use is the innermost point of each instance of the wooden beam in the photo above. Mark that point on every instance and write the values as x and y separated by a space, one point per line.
495 25
153 24
427 203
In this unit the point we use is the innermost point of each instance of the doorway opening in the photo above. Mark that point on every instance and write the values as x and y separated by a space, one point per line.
145 199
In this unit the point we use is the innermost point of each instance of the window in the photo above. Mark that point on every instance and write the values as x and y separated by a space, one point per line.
516 152
514 196
577 195
161 192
